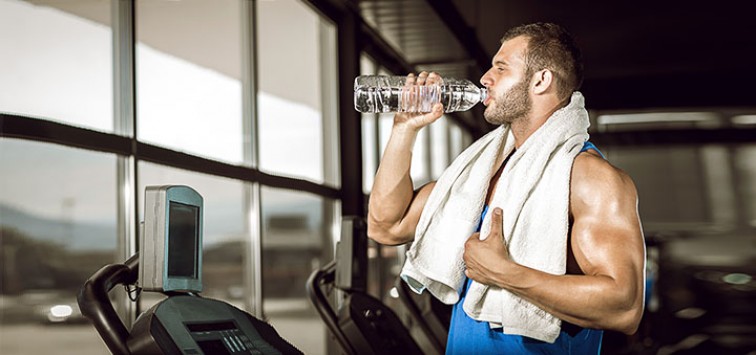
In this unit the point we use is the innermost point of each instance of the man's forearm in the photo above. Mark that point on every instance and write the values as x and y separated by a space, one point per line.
591 301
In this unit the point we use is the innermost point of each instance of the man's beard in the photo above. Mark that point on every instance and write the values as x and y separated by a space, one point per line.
511 105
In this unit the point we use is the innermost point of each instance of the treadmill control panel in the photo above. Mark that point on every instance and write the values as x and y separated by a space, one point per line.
222 338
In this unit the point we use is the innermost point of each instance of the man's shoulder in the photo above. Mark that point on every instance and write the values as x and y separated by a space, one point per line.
594 175
589 164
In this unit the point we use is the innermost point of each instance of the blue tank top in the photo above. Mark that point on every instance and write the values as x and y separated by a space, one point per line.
468 336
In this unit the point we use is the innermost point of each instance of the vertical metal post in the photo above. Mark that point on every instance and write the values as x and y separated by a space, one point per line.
254 258
330 119
350 125
252 193
350 128
124 123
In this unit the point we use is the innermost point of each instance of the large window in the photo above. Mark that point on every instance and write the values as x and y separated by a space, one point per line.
213 103
296 240
189 90
234 98
57 226
296 94
55 61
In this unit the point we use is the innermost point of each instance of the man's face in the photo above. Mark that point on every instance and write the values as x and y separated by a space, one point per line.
508 88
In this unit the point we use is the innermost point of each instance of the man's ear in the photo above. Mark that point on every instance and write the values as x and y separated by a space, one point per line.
542 81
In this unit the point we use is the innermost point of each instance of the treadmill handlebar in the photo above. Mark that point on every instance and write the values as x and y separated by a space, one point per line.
95 304
315 283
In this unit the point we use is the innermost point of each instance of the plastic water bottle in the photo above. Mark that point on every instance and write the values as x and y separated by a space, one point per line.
384 93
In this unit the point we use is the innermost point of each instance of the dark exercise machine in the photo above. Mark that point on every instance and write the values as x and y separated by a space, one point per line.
360 323
428 313
170 262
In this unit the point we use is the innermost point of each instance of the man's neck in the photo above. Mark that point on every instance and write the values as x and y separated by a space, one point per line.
525 126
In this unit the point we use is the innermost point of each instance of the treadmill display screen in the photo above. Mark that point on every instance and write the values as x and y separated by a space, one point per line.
183 237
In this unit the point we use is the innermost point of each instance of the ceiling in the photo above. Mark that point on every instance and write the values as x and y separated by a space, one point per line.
638 55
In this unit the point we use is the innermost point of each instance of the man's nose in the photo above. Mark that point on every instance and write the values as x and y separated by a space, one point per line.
485 80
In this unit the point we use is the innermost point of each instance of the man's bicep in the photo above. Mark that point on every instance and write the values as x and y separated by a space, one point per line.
606 237
404 230
602 248
415 209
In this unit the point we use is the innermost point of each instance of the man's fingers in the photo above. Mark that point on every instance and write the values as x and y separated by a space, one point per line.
409 79
433 79
496 224
474 236
421 78
436 111
424 78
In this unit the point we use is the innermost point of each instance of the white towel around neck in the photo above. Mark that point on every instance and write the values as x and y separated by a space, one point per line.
533 192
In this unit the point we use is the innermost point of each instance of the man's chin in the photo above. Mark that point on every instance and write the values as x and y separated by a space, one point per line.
492 120
490 114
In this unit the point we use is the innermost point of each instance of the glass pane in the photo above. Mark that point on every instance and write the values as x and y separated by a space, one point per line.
225 240
58 226
296 240
439 136
369 134
675 202
290 97
420 170
188 60
420 160
369 150
459 140
56 61
385 123
745 172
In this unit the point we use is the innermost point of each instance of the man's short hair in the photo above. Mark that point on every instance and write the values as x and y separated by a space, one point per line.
551 47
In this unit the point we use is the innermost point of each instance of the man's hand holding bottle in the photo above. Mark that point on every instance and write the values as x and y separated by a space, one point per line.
415 120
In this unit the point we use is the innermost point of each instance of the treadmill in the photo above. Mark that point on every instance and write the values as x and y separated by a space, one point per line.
360 323
170 262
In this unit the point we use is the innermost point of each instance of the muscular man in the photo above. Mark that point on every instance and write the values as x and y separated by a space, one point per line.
534 74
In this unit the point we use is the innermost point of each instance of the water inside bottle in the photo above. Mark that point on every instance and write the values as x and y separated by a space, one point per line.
389 94
419 98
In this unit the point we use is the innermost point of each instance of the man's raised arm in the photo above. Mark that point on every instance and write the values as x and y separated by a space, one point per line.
394 208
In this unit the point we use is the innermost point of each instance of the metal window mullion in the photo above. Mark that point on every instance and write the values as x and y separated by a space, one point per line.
253 261
329 103
252 194
428 159
350 125
330 143
122 17
446 144
124 124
